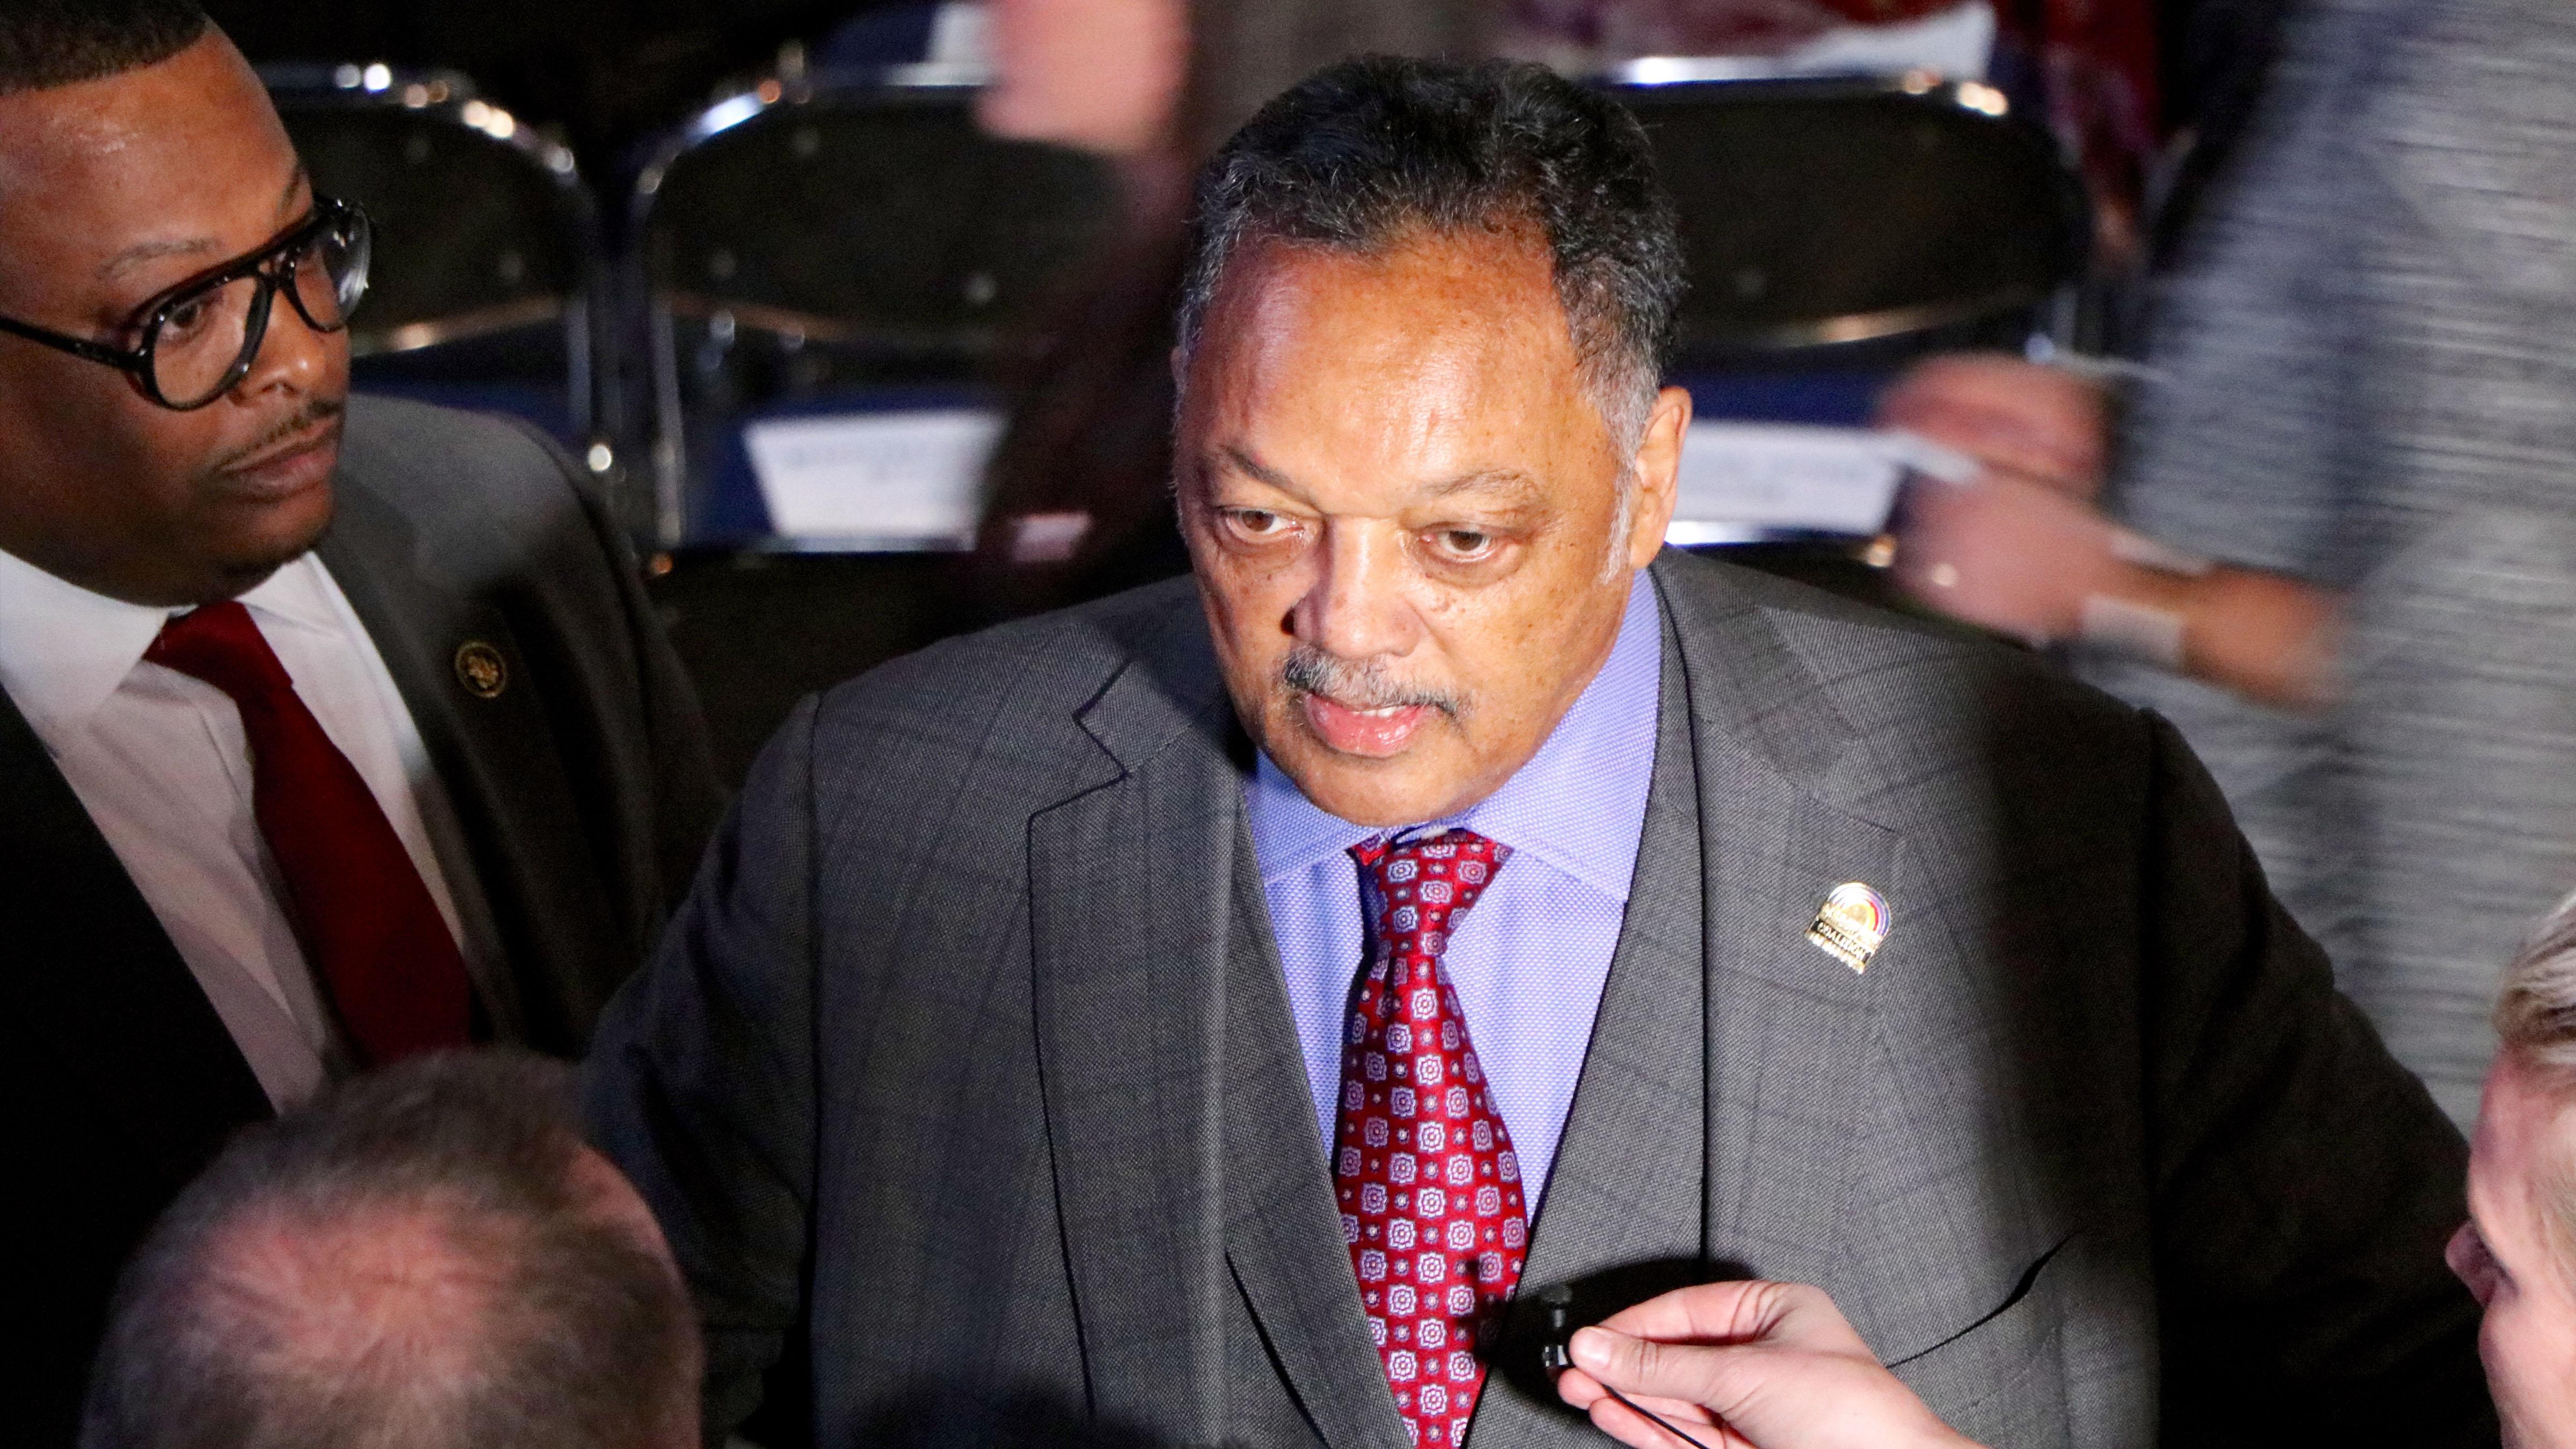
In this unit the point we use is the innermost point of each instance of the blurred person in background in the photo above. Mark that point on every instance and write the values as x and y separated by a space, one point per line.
331 729
1078 491
2338 547
425 1257
1776 1366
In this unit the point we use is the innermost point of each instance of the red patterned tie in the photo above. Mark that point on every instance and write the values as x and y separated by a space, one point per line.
367 924
1430 1192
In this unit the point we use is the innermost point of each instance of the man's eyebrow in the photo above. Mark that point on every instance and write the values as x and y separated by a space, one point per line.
1501 480
1259 471
153 251
286 198
1517 486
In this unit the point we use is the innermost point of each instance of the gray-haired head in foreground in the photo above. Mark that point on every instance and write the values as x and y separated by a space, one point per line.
1376 151
48 43
2535 1014
426 1258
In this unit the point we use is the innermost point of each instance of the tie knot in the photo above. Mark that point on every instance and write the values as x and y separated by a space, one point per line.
1425 882
220 644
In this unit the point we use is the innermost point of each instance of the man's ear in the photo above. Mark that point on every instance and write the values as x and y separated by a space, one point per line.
1656 471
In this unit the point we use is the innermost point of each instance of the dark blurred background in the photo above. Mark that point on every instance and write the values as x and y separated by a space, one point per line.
862 356
600 72
608 71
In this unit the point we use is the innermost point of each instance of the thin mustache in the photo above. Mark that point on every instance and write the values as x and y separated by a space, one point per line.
1362 685
305 419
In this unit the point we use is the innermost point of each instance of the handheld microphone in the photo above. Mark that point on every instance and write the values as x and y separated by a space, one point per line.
1556 1302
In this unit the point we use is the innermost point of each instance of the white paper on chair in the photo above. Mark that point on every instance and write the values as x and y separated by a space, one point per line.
1745 481
1955 44
889 478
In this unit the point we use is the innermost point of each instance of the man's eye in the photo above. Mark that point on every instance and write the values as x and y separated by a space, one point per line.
1256 522
1465 543
186 317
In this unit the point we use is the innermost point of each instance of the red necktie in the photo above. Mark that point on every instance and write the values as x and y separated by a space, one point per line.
368 926
1430 1191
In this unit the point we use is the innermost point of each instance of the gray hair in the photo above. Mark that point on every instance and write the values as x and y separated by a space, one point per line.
523 1315
2535 1014
1363 154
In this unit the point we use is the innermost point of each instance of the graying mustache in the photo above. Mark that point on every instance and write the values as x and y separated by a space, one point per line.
1309 670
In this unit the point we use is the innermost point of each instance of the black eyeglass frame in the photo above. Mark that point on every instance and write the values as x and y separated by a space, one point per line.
272 265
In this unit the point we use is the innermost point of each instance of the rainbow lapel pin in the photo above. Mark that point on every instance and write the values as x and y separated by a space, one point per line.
1851 924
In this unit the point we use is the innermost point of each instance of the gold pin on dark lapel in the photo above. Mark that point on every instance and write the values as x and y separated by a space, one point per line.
1851 924
480 668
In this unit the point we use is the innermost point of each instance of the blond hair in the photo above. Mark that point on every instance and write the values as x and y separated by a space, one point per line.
2535 1018
2535 1015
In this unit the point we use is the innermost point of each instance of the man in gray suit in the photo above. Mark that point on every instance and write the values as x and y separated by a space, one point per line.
330 730
1249 1010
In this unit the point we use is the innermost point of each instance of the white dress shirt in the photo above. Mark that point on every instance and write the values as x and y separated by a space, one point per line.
159 760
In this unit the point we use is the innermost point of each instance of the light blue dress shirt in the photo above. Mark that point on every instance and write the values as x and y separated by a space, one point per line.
1531 958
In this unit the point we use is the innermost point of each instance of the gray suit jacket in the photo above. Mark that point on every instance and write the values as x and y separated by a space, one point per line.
583 789
967 1089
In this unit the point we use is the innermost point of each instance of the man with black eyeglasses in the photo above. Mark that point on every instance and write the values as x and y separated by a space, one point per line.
331 730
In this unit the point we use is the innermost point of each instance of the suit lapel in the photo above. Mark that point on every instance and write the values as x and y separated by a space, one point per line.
494 756
1794 1073
1283 1230
1622 1217
1187 1163
106 995
1733 1066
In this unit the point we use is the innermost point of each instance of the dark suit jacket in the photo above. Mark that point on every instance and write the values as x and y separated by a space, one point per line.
584 790
966 1079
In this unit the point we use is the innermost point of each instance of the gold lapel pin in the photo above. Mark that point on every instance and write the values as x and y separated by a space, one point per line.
480 668
1851 924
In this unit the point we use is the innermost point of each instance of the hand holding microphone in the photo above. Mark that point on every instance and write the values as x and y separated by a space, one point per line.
1744 1365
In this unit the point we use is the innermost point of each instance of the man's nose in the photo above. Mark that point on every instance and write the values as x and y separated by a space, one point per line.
293 355
1360 605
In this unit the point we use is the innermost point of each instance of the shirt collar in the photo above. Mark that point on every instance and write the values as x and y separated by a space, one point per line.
65 649
1579 804
299 594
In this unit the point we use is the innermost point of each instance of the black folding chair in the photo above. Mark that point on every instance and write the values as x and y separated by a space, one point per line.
485 280
846 254
836 247
1837 229
1830 222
